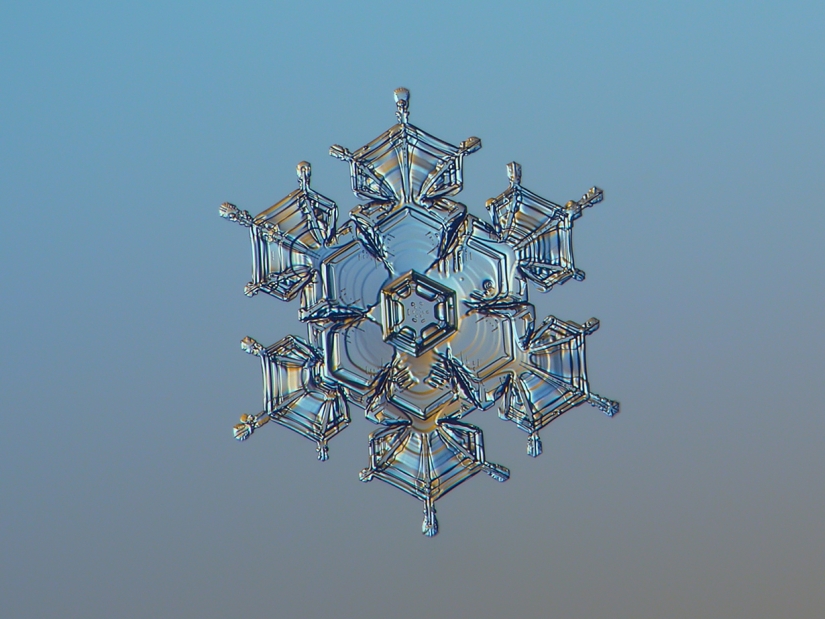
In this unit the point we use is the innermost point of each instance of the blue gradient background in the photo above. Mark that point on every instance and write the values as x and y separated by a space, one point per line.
123 127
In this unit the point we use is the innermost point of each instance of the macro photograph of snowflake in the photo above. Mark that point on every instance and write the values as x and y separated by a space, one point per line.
295 321
417 312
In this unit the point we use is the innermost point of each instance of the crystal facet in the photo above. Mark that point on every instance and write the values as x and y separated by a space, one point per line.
417 312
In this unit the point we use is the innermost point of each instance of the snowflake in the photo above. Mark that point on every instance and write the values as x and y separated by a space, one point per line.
417 312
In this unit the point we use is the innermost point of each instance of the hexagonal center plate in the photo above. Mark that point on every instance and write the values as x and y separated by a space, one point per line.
417 313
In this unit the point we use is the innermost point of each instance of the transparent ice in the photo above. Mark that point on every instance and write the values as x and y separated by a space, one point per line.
417 312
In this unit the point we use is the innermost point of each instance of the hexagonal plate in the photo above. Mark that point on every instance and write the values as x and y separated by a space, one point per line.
417 313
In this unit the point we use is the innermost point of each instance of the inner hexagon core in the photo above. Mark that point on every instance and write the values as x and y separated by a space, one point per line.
417 313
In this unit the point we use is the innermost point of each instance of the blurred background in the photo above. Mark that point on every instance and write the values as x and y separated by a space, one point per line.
125 125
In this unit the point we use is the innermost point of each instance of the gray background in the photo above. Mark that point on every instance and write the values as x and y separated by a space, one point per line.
123 129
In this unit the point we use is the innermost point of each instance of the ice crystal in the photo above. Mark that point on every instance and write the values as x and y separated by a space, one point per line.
417 312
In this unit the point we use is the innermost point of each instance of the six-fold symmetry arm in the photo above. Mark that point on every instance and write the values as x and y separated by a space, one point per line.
417 312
